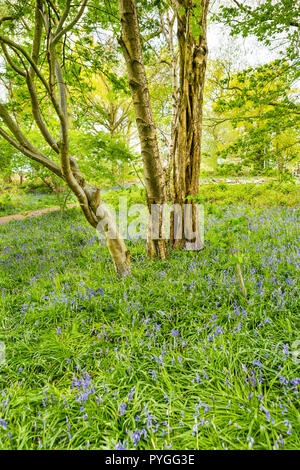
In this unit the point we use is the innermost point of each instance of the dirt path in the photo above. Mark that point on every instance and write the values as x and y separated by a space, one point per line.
9 218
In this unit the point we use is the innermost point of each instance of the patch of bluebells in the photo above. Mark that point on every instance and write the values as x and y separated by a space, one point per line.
202 313
84 386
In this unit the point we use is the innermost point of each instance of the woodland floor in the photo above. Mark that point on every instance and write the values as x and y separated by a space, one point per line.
171 357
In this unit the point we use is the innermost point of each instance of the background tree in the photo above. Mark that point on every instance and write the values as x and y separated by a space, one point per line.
262 102
262 105
273 22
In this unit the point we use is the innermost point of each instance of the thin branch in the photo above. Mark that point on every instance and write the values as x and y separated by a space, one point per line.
32 153
63 17
13 45
61 32
6 18
11 62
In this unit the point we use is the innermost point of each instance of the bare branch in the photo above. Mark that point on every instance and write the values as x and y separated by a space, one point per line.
17 47
60 32
11 62
37 114
6 18
63 17
38 27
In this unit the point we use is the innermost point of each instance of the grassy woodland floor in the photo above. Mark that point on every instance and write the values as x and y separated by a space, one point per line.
22 203
268 194
172 357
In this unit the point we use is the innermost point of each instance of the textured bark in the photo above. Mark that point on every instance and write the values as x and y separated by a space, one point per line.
130 42
114 241
186 144
167 20
104 222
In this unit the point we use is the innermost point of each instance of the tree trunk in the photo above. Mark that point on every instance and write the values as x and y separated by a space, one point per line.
167 28
103 221
192 42
130 42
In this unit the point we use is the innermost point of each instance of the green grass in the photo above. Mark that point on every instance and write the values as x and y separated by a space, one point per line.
259 195
269 194
19 202
176 342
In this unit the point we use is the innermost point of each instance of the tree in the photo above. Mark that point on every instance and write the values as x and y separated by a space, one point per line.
262 102
36 56
131 44
185 146
273 22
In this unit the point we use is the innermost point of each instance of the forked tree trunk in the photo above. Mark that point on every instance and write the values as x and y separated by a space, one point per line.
99 217
48 47
130 42
188 126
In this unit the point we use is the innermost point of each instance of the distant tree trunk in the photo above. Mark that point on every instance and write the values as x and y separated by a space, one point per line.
280 162
192 42
260 159
7 178
130 42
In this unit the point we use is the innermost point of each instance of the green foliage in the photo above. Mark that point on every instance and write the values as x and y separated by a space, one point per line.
266 20
261 104
7 199
134 194
21 202
268 194
102 158
10 160
229 169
